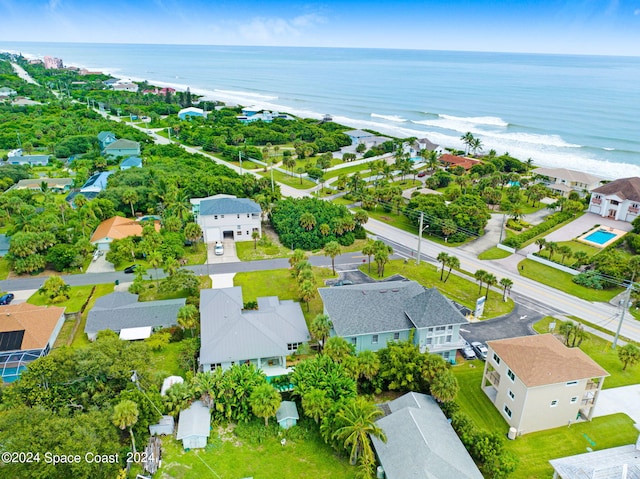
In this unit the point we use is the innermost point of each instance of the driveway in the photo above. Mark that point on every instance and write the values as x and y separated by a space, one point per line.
624 399
230 255
101 265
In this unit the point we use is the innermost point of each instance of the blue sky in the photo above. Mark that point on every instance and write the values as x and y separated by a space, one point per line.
610 27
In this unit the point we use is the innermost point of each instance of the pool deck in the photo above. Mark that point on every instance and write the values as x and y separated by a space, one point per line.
609 229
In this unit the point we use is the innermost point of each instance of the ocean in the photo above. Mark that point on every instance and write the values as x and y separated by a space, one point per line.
571 111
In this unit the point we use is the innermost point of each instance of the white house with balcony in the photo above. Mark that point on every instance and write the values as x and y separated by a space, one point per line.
227 217
371 315
564 181
618 200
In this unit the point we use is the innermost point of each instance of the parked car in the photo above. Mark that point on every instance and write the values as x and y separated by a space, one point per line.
343 282
468 352
422 174
219 249
131 269
6 298
480 349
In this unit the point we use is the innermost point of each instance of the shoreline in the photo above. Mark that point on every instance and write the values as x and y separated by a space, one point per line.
545 148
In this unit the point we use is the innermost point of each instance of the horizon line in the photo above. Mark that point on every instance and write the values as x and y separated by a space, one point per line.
514 52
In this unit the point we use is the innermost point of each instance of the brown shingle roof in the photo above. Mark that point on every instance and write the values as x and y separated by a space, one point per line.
38 322
118 228
542 359
624 188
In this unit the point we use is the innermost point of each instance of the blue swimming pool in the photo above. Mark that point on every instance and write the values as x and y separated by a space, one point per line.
600 236
416 159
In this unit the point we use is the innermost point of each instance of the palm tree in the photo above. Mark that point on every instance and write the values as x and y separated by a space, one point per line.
264 401
307 221
442 258
125 416
476 145
130 197
192 232
480 276
448 227
315 404
369 251
189 317
297 256
490 280
580 257
332 249
320 328
565 251
629 354
381 255
506 284
255 236
307 292
357 419
552 247
368 364
467 139
541 243
155 260
444 386
452 262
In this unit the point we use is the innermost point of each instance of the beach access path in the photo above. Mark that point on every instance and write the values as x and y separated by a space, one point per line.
21 72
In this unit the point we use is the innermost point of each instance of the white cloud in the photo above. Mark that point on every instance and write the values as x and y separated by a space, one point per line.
263 30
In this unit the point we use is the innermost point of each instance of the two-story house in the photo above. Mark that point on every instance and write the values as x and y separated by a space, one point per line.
371 315
263 337
227 217
538 383
122 147
619 200
564 181
105 138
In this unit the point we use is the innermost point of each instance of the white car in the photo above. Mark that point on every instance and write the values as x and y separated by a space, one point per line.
480 349
219 249
468 352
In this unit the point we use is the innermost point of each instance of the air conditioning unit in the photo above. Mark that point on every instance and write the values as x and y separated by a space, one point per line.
380 473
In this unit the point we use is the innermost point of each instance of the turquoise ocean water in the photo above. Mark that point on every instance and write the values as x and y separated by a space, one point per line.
580 112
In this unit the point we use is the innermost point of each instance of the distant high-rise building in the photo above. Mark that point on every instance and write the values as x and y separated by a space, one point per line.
52 63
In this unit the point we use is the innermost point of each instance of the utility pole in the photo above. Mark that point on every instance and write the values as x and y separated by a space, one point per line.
420 231
504 216
272 187
240 159
169 131
625 305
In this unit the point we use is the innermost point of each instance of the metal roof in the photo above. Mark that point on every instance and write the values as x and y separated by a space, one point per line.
228 206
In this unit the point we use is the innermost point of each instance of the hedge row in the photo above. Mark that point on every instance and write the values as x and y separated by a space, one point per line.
553 220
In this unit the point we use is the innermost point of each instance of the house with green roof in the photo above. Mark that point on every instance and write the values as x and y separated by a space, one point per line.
122 147
371 315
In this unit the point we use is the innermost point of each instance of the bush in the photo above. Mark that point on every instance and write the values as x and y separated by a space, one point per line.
514 225
553 220
589 279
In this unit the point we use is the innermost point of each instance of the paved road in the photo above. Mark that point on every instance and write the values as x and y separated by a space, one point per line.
537 294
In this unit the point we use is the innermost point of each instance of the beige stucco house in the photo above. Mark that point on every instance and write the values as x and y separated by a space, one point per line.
538 383
564 181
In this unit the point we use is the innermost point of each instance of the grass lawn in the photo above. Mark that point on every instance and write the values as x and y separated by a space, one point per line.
407 183
195 254
459 289
535 449
600 351
494 253
475 403
293 181
165 361
575 247
347 170
246 251
279 282
151 292
394 219
230 457
562 281
77 297
80 338
4 269
341 200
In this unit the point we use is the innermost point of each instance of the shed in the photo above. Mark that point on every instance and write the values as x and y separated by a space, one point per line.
194 426
168 382
287 414
4 244
164 426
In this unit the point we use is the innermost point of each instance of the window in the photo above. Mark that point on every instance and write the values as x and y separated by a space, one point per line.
449 337
354 341
293 346
554 403
430 330
440 329
429 340
239 233
221 216
572 383
247 233
374 339
511 395
248 215
511 375
507 410
396 336
614 202
215 217
574 399
496 358
238 216
450 328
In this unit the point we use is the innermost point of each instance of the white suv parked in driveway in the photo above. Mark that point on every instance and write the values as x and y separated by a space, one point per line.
219 249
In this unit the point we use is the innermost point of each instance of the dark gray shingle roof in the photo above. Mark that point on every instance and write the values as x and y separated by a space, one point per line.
228 206
421 444
388 306
122 144
121 310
